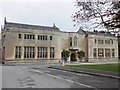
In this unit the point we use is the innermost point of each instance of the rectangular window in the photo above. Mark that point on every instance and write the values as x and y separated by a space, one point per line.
107 52
28 36
111 41
75 41
100 41
100 52
42 52
94 52
45 37
113 52
41 37
25 36
29 52
95 41
70 41
50 37
38 37
52 52
18 52
19 36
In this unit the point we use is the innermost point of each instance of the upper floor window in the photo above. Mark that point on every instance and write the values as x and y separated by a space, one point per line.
28 36
50 37
19 36
75 41
95 41
70 41
100 41
42 37
111 41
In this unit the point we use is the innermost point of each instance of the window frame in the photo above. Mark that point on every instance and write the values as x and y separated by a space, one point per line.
18 52
52 52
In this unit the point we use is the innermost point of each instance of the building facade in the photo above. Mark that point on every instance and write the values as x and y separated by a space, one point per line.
31 43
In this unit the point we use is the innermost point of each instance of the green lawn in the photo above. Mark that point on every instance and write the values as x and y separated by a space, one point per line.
108 67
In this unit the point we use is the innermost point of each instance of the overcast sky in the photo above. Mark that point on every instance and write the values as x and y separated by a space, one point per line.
39 12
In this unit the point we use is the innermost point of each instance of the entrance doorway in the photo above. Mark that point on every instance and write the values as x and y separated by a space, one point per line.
72 57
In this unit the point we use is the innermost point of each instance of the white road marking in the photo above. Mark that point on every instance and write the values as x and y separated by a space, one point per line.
38 71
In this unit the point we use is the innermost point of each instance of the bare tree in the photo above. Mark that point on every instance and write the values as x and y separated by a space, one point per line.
106 14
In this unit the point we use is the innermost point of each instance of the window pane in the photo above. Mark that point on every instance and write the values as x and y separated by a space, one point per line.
50 37
100 53
94 52
70 41
113 53
19 36
107 52
18 52
52 52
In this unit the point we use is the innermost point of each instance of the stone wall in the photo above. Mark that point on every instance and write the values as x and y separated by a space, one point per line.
92 45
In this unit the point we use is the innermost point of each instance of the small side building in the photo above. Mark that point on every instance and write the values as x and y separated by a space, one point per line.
102 47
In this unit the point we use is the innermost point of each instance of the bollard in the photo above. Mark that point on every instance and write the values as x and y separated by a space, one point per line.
63 63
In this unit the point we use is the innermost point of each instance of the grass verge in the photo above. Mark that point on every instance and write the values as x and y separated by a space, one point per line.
108 67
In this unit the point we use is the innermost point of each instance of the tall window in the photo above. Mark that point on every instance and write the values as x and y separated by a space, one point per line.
113 52
111 41
100 52
18 52
50 37
19 36
94 52
52 52
42 52
75 41
29 52
95 41
70 41
107 52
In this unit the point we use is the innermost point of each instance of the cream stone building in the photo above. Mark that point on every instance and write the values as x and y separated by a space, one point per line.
32 43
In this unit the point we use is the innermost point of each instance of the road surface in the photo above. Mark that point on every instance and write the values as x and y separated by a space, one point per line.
39 76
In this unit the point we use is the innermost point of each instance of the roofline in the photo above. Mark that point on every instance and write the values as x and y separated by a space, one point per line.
20 25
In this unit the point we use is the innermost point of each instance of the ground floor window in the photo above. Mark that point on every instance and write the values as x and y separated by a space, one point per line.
52 52
42 52
113 53
18 52
94 53
107 53
100 52
103 52
29 52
